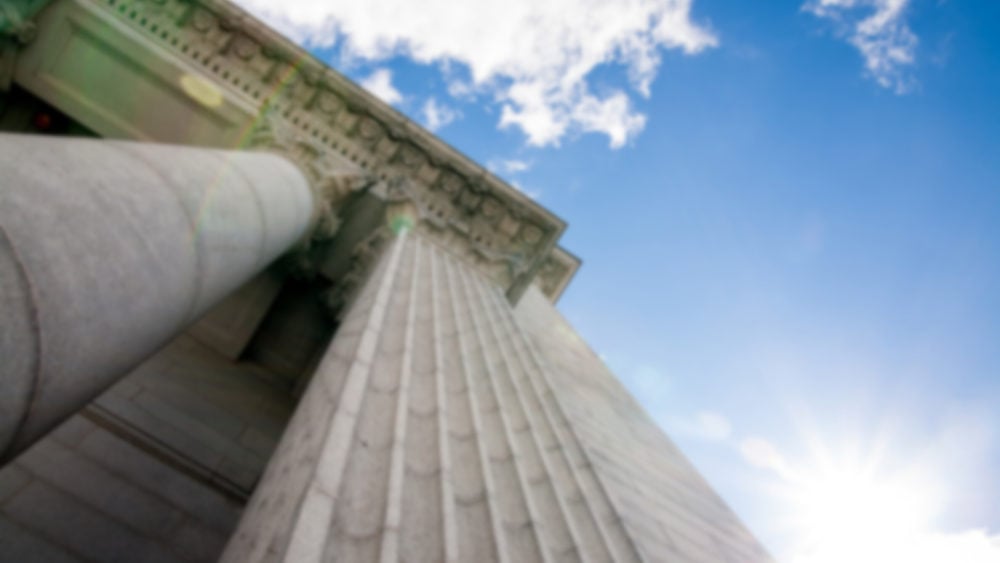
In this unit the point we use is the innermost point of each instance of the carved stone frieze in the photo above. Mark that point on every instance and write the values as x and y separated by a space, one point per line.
17 28
322 120
556 272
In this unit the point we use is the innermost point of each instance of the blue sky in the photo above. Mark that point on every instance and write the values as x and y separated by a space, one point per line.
789 216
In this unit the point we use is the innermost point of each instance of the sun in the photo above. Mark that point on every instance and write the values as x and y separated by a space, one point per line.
872 497
848 509
854 512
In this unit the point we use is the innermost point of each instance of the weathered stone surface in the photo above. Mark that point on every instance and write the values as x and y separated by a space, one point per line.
430 435
83 493
18 544
441 424
82 529
88 481
197 500
219 417
12 480
109 248
443 433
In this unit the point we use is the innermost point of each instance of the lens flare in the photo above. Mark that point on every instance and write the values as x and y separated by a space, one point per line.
202 90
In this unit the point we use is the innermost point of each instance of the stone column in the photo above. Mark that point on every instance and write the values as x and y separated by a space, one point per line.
109 248
428 434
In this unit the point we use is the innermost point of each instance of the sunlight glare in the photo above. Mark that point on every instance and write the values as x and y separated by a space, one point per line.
851 513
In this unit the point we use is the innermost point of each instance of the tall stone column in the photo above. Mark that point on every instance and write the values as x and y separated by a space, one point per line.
109 248
428 433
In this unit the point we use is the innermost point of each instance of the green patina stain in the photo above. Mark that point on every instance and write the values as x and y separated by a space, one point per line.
401 223
13 14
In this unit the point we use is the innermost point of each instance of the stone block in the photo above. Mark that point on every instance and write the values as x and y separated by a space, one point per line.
155 421
171 485
195 542
188 402
12 480
73 431
82 530
259 442
99 489
128 387
21 546
242 467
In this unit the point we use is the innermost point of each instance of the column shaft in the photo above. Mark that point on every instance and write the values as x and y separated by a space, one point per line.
109 248
413 441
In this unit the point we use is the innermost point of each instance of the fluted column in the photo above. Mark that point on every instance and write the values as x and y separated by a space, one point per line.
109 248
422 435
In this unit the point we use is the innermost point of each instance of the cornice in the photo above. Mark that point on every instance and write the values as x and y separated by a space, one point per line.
556 272
322 119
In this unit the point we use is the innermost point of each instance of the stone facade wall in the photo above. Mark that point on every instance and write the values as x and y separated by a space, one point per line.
158 468
668 509
441 424
220 418
428 434
85 494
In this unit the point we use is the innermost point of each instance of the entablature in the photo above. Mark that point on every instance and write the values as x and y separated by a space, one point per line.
270 93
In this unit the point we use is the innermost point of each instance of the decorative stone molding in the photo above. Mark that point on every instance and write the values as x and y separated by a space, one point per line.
15 19
322 120
556 272
17 28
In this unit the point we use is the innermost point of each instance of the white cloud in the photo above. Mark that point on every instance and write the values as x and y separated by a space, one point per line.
461 90
761 453
705 425
533 194
380 84
712 426
531 58
438 115
508 166
878 30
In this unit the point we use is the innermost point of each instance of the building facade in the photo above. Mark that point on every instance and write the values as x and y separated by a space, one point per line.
249 312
